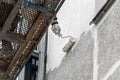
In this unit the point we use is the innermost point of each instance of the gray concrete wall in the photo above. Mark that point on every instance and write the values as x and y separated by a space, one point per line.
78 64
97 54
109 46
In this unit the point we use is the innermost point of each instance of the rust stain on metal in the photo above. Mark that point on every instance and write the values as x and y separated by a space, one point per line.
21 32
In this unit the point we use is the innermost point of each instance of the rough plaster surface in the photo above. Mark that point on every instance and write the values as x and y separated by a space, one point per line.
109 44
85 63
78 64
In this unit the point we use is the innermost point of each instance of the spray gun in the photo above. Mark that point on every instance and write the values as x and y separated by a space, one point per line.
57 31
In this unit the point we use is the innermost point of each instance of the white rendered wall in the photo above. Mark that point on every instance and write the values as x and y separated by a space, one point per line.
74 18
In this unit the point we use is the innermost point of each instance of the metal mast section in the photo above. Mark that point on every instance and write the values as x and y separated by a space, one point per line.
22 25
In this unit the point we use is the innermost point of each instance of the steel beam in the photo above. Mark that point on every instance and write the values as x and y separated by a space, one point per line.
12 37
12 16
37 7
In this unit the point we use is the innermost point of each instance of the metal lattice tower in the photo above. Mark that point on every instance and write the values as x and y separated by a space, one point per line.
22 25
